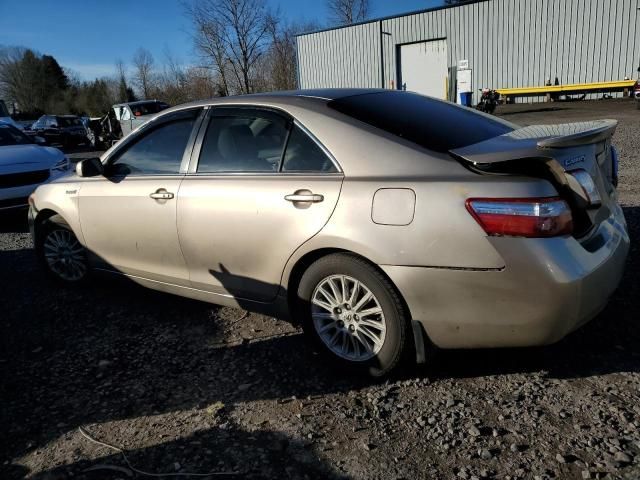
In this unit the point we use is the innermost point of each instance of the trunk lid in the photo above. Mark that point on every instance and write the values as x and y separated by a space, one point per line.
551 151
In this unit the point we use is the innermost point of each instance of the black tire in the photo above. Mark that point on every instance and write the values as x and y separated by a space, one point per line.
398 337
56 227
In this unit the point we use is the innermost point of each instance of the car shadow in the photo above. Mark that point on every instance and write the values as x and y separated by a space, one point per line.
113 351
14 221
226 451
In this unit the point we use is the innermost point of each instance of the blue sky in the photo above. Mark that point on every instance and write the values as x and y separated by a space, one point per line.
89 36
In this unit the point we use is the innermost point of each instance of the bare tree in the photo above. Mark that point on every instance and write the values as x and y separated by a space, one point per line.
209 40
280 62
233 34
12 81
346 12
143 74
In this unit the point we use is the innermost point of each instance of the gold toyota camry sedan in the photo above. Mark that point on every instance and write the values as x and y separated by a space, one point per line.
384 222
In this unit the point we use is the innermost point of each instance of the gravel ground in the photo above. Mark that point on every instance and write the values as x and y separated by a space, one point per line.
189 387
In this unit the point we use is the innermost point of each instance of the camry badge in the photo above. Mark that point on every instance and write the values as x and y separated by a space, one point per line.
575 160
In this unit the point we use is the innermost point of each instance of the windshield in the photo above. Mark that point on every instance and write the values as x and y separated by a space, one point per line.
12 136
3 110
148 108
434 124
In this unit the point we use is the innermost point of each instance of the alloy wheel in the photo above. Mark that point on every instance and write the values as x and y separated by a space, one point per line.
64 255
348 318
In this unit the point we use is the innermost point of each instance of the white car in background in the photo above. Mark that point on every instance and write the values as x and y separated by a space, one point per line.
24 165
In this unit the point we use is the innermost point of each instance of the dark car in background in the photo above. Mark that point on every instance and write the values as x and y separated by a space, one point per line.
65 130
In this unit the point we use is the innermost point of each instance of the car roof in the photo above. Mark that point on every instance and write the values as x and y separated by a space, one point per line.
323 93
285 97
138 102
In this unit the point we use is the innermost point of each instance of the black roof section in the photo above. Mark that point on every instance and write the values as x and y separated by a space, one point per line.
391 17
323 93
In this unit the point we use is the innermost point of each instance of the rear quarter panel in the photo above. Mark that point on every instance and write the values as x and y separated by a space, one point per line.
442 232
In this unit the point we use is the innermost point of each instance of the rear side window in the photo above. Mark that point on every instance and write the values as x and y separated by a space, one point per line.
433 124
304 155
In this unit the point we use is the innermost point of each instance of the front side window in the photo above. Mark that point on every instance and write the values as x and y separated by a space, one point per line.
305 155
243 141
158 150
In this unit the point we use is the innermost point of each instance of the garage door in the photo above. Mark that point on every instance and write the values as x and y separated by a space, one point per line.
423 68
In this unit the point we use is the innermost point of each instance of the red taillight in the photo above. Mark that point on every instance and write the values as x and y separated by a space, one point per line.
522 217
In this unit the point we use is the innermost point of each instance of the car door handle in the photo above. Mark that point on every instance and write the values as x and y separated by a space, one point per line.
161 194
304 197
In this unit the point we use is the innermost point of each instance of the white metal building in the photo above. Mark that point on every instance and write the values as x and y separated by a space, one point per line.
506 44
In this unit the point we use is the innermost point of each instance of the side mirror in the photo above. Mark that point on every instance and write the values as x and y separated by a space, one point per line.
91 167
39 140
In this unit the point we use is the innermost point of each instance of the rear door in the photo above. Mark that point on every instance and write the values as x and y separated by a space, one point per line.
258 188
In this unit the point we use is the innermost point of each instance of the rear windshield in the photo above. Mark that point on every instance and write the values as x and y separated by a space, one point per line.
68 122
434 124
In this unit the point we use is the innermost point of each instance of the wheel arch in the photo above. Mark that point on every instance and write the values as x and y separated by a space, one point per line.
420 338
41 217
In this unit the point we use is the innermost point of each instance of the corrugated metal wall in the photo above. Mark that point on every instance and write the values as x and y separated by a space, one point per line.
509 43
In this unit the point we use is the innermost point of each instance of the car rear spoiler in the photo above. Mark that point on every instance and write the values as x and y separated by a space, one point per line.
535 141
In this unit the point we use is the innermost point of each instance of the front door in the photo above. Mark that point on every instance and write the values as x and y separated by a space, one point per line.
261 188
423 68
128 217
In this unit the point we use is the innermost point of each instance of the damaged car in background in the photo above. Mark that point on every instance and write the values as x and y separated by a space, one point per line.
121 120
384 222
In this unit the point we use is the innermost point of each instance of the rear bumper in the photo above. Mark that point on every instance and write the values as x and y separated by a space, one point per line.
548 288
